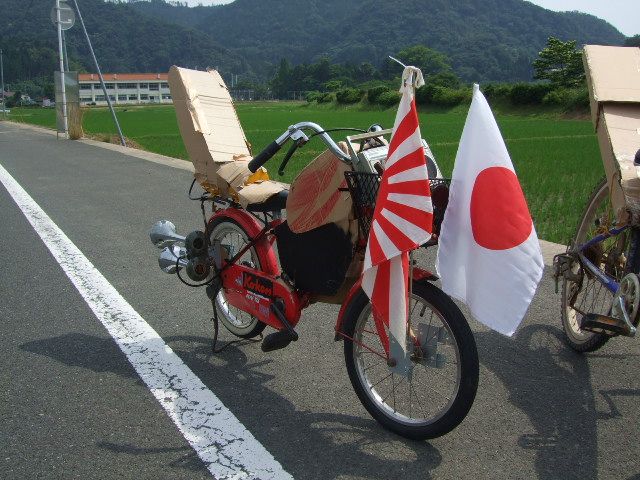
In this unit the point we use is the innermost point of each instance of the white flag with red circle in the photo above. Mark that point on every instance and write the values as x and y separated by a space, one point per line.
402 219
488 256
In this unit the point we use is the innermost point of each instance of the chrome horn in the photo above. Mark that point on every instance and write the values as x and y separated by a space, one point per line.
163 234
172 259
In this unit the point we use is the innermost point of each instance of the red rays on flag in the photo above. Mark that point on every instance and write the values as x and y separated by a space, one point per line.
402 219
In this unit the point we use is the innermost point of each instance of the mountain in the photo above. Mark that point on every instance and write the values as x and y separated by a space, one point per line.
485 39
124 39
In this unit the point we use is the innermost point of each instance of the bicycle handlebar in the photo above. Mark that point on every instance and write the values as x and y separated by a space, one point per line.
274 146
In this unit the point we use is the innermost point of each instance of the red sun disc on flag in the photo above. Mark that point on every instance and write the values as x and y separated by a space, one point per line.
500 217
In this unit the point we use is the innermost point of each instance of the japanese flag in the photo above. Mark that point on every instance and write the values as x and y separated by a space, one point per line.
489 256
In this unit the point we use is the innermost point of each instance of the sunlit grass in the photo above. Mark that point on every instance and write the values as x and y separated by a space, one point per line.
557 161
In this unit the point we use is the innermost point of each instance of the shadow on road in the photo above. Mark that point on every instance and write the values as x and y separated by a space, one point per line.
309 445
551 384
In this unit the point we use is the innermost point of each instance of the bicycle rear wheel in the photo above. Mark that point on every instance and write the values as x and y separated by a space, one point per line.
615 257
438 394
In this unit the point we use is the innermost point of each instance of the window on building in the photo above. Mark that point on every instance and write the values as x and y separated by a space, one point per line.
109 86
144 85
100 98
97 86
85 86
154 86
153 98
127 85
112 98
144 96
85 99
164 85
133 97
122 98
166 97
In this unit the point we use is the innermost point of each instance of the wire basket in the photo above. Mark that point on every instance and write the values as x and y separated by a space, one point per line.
364 192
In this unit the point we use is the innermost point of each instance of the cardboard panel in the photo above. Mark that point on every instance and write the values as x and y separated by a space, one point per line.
619 138
315 198
214 138
613 77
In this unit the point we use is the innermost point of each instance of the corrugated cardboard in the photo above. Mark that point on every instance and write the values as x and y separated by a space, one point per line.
212 134
258 192
613 77
315 198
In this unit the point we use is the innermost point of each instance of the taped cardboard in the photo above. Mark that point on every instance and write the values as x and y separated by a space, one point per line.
613 77
214 138
259 192
316 197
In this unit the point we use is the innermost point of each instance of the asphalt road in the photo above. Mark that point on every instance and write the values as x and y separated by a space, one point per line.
73 407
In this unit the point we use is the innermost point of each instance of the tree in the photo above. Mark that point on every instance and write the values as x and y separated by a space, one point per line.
632 41
280 84
560 63
430 61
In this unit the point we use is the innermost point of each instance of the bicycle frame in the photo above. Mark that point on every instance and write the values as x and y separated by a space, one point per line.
608 282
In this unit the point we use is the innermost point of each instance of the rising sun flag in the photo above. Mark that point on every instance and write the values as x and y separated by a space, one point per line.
402 219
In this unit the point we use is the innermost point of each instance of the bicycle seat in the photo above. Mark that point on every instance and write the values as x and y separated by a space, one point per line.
274 203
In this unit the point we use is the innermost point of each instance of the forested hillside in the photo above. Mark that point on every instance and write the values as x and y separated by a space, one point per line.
483 39
125 40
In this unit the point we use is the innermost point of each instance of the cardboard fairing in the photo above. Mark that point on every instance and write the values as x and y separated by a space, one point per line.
613 77
318 194
214 138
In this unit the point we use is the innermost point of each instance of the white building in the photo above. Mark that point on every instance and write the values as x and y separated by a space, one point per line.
124 88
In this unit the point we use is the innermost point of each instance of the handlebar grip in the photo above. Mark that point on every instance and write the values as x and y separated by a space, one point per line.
263 156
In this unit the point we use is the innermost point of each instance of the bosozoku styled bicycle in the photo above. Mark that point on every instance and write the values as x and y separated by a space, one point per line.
264 263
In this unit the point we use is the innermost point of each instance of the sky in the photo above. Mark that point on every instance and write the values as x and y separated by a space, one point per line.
622 14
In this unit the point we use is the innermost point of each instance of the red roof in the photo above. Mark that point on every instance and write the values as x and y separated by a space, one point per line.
111 77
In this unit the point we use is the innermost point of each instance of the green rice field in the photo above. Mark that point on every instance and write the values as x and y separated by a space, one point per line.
557 160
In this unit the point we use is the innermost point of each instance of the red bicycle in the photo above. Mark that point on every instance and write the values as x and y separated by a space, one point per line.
262 268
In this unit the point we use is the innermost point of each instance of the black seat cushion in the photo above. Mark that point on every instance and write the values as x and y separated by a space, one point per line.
272 204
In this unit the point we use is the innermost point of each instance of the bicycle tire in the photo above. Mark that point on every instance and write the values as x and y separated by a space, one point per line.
234 237
398 417
592 295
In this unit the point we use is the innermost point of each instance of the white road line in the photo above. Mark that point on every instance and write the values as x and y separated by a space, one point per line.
226 447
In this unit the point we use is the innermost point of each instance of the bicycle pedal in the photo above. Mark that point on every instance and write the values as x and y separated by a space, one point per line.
278 340
593 322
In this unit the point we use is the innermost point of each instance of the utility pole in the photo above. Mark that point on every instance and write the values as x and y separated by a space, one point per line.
4 109
62 77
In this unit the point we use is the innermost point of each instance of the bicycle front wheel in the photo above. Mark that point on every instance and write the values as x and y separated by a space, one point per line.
234 238
441 387
615 256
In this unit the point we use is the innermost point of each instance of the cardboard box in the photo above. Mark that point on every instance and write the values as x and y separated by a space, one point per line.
613 77
214 138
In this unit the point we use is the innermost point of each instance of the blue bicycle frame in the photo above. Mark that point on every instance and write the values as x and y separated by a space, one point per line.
609 282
